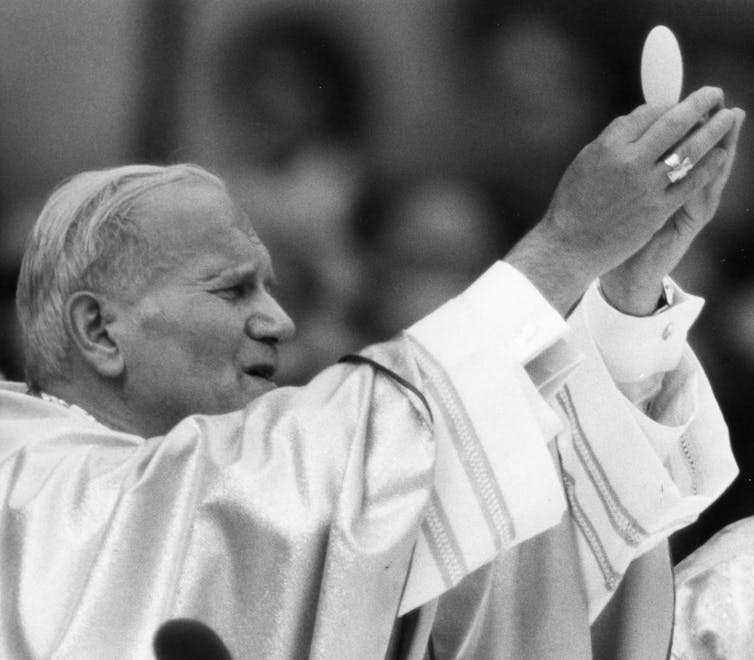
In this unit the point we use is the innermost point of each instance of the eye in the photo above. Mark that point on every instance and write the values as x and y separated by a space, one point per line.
230 292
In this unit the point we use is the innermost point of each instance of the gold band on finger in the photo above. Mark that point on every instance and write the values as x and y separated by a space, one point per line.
678 168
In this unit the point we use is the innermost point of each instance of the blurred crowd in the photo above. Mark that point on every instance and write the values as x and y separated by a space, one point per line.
387 152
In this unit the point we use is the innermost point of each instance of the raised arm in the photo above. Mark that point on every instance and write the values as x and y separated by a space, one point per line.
616 198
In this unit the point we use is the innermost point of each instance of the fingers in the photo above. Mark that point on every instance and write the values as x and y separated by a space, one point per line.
714 167
632 126
704 172
672 126
730 144
707 136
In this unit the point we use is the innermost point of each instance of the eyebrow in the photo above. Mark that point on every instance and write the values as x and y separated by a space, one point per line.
244 272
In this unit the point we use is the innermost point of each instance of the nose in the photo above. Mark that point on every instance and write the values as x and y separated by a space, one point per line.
268 321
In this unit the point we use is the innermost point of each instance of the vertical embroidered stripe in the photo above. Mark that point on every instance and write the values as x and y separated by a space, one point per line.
443 544
469 450
621 520
609 574
688 454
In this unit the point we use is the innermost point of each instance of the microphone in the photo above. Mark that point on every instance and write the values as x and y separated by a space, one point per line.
188 639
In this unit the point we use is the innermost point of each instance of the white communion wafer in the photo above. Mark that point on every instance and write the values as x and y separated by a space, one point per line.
661 67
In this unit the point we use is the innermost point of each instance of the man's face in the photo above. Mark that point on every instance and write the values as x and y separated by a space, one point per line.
201 336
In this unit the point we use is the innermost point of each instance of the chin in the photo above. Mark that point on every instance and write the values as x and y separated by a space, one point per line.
257 387
251 388
231 400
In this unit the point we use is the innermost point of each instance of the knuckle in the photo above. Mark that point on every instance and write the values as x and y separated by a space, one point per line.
676 125
616 157
640 109
626 161
598 148
646 113
615 127
627 165
621 122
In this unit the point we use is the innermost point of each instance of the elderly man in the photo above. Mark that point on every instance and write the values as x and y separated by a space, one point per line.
490 483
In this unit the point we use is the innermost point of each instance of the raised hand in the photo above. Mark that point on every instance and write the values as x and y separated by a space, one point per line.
635 286
616 194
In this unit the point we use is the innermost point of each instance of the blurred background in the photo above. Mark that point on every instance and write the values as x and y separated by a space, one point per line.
387 151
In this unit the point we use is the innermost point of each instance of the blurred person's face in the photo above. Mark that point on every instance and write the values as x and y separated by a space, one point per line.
281 108
201 336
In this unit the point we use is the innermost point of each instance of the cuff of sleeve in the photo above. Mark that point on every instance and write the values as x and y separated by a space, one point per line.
690 436
470 352
503 313
515 312
636 347
630 480
473 348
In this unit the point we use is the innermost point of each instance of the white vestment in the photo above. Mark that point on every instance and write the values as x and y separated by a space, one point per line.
353 517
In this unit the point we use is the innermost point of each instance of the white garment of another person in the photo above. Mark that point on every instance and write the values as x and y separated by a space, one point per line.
714 615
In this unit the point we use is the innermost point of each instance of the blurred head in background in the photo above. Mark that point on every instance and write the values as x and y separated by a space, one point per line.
291 119
285 81
425 242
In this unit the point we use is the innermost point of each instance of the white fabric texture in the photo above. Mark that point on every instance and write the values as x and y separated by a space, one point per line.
304 524
714 613
628 479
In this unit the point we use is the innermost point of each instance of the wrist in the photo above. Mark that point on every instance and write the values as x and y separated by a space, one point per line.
558 269
633 297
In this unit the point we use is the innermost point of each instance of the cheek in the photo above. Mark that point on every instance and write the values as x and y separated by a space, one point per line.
204 334
156 318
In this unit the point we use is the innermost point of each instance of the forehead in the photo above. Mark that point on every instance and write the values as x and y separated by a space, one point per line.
195 226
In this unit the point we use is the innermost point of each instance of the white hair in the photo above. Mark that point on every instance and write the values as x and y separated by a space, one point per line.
85 238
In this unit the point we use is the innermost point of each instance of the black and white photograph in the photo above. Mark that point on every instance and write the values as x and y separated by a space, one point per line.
376 330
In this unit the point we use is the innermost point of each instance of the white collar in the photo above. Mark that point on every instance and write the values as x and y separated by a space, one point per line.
61 402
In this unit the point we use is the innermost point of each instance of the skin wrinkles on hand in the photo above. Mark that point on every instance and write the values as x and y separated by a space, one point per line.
615 197
201 335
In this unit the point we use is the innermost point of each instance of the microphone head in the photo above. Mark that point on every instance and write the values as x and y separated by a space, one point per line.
188 639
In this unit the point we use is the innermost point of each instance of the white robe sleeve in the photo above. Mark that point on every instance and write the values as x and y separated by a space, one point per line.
495 360
653 367
634 474
496 482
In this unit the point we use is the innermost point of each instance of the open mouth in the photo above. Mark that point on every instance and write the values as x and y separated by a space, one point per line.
266 371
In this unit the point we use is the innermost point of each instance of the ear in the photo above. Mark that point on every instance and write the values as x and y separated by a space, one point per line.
88 317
